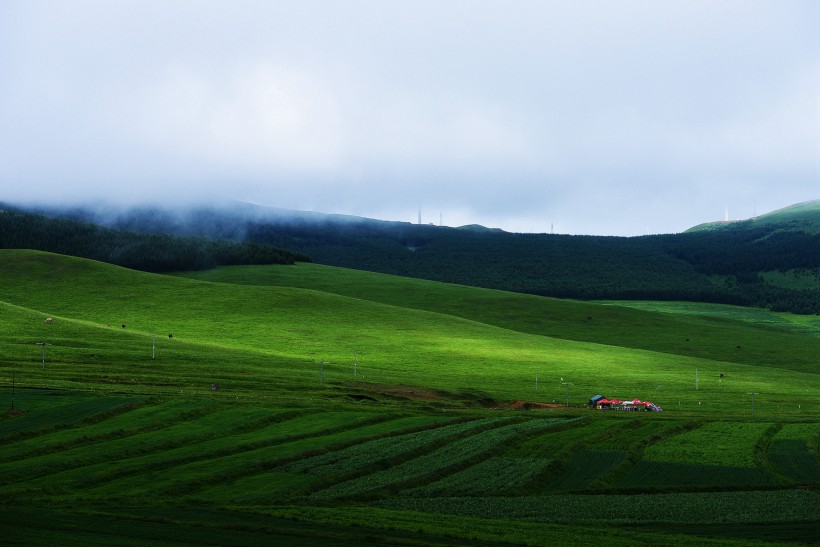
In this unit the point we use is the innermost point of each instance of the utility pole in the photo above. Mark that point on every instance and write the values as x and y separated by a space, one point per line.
153 346
696 379
43 344
567 384
354 364
753 393
536 380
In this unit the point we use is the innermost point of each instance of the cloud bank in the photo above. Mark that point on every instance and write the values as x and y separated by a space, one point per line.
585 117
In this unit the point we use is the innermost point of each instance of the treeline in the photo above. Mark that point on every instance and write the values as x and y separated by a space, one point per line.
140 251
744 248
701 267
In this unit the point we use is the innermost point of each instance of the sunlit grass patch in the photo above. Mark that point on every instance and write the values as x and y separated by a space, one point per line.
730 444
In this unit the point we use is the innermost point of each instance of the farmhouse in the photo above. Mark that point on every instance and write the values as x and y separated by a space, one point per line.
602 403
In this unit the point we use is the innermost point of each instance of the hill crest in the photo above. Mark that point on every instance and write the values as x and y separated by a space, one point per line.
803 216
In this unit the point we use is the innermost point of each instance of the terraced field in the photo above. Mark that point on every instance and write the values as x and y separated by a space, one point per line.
145 457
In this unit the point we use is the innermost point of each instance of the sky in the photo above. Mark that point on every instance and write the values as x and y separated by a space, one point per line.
599 117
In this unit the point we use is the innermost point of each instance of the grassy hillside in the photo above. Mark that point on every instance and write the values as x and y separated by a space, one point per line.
675 333
283 334
250 425
798 217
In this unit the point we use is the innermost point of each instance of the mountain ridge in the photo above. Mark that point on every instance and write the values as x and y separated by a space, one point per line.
799 216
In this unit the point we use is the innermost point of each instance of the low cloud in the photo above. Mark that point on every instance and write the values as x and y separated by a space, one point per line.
593 117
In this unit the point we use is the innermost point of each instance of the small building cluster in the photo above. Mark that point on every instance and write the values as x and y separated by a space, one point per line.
602 403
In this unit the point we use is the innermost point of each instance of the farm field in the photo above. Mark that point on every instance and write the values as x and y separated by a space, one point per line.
313 405
353 474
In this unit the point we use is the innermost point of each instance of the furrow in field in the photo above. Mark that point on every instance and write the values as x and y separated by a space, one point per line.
557 448
171 478
794 506
453 456
63 415
189 422
130 422
717 454
263 484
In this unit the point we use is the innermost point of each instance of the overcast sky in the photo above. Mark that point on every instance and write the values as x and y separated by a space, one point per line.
607 117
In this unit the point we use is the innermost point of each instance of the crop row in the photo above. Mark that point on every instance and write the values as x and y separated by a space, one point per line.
133 421
118 453
367 454
490 477
261 482
704 507
440 461
663 475
585 467
547 445
724 444
56 413
187 470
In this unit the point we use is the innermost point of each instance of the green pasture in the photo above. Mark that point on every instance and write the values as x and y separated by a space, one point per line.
804 324
288 343
309 405
765 338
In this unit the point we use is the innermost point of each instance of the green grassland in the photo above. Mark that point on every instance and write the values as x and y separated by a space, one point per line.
806 324
800 216
680 332
315 405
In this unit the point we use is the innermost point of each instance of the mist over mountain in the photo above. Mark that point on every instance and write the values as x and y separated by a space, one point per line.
155 252
772 262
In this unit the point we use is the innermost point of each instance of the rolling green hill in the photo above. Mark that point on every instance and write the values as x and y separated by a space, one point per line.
802 217
311 405
465 340
566 319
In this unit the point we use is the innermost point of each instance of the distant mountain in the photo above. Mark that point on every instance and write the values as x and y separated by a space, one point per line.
756 263
801 217
155 252
479 228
